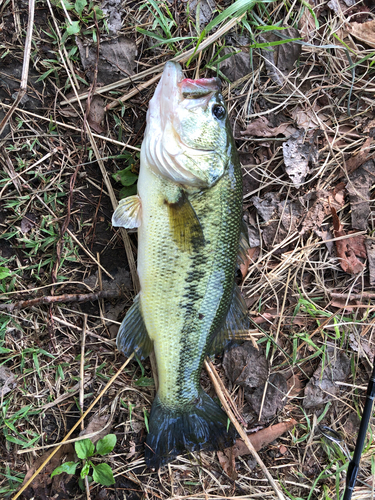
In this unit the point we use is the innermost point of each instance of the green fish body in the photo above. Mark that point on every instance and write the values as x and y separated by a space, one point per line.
188 212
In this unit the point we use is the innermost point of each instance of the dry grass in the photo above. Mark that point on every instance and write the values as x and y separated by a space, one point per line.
56 200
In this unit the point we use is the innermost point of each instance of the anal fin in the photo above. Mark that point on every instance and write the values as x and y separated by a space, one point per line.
186 229
235 325
132 335
128 213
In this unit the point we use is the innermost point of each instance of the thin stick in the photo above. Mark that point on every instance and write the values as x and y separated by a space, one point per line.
214 376
25 67
132 93
69 297
352 296
82 370
27 484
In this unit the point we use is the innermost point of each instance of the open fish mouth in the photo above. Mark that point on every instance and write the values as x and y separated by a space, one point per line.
184 142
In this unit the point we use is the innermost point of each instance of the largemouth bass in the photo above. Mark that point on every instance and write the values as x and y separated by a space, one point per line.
188 212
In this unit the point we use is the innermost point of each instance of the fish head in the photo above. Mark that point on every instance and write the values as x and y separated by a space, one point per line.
188 137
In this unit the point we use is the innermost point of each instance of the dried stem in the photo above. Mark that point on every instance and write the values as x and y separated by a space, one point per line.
214 379
25 67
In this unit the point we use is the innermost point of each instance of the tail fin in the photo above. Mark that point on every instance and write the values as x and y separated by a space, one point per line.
202 425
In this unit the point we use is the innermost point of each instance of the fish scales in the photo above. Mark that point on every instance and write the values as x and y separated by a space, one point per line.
188 213
187 303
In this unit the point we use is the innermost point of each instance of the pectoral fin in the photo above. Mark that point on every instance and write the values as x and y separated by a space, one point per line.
128 213
185 226
132 335
235 325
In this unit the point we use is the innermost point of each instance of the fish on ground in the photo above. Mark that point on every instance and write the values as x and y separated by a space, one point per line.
188 212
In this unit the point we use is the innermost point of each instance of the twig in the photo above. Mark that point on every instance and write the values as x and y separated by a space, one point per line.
353 296
214 376
132 93
25 67
107 386
82 370
67 297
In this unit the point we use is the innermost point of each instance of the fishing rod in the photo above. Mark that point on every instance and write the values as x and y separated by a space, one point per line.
353 468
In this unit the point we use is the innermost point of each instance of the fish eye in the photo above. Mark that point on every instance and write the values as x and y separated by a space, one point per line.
218 111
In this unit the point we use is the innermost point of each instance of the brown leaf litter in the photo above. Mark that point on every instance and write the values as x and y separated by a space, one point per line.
280 59
348 249
299 156
43 484
261 127
259 440
321 387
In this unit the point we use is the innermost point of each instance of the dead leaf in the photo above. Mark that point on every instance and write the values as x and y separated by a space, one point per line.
69 112
297 157
261 127
38 487
364 32
280 59
274 400
358 187
258 439
364 347
346 305
294 385
348 249
245 365
355 161
309 118
266 206
237 65
132 451
7 381
28 222
116 59
370 125
98 424
227 461
321 388
96 114
251 256
263 318
319 203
